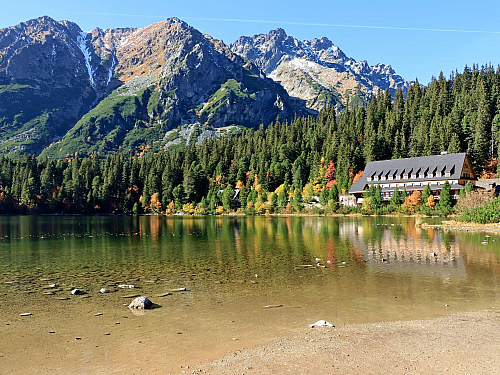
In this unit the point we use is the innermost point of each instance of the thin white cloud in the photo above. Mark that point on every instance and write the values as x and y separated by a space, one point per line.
240 20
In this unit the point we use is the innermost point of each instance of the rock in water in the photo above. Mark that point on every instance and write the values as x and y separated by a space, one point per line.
321 323
141 303
76 292
124 286
104 290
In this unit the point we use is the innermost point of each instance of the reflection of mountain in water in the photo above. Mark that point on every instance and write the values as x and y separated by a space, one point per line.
404 248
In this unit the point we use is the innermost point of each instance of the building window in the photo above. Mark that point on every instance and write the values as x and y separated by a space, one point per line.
398 177
421 175
413 175
438 174
405 176
375 178
430 175
368 179
447 174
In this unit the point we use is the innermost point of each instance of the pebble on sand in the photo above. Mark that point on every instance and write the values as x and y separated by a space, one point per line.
272 306
104 290
26 314
179 290
76 292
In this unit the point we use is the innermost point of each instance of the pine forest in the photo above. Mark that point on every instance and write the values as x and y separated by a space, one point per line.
286 166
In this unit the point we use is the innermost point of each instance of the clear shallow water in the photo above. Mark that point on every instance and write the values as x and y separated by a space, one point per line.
361 269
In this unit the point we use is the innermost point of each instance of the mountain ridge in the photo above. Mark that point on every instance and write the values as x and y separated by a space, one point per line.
317 70
64 90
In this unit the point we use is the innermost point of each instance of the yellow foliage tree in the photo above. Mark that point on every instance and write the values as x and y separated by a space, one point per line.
219 210
170 208
260 205
279 189
430 201
307 193
188 208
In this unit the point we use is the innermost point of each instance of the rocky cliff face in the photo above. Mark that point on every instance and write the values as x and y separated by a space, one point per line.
44 83
316 71
137 84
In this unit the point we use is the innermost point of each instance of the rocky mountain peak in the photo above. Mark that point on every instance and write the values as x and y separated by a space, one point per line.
322 43
316 70
278 34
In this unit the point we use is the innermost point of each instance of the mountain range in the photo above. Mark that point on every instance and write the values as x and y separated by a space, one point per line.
65 91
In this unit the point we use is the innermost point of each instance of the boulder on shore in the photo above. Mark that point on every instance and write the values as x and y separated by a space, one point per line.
76 292
104 290
141 303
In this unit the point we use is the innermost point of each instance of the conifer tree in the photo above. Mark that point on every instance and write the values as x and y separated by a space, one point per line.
333 194
425 194
445 198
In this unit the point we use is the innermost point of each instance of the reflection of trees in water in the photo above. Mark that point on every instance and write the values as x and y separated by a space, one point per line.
402 242
229 247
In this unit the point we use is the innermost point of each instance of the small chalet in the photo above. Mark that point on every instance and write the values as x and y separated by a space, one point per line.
414 174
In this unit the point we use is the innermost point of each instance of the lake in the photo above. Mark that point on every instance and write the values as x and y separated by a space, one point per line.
248 281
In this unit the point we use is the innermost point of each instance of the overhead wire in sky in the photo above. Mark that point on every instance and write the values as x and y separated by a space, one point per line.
241 20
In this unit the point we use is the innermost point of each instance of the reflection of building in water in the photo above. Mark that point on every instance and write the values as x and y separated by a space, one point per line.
406 248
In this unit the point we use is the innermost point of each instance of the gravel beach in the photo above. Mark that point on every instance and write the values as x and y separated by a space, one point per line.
464 343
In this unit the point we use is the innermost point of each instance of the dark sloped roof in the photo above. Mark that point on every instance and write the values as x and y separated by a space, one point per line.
436 163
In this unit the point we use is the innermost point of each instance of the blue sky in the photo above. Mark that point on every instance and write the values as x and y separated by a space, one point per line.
390 32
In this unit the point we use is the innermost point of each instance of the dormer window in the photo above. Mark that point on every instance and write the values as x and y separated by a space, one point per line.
368 179
430 175
375 178
447 174
438 174
413 175
405 176
391 177
398 177
421 175
383 178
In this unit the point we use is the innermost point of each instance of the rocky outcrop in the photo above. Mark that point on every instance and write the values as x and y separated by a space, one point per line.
316 71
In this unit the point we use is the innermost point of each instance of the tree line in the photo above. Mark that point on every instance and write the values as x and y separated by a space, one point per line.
280 167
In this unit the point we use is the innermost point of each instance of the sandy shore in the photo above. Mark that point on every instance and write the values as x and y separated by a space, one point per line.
464 343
